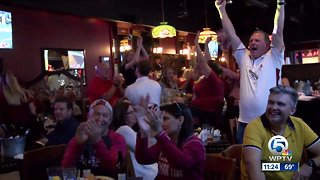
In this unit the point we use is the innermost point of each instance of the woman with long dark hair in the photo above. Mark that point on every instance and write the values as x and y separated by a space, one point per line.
180 154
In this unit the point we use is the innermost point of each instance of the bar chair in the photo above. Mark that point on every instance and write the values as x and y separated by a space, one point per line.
233 129
234 151
218 167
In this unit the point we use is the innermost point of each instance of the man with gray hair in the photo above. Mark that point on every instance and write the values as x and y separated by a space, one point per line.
99 142
279 137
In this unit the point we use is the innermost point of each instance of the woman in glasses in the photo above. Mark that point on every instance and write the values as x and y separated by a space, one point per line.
125 123
179 154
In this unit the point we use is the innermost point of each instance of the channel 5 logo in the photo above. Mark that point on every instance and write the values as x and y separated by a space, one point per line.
278 145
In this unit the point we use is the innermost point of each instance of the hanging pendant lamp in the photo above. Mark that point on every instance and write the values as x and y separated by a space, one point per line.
206 31
163 30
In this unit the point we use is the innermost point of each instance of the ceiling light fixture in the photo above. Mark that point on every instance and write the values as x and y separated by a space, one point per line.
163 30
206 31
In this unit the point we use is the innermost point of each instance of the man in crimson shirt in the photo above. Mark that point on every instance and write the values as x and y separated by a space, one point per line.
103 87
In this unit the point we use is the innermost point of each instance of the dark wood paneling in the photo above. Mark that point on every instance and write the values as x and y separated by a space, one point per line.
34 29
301 72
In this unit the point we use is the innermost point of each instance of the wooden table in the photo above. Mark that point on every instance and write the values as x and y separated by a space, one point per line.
9 164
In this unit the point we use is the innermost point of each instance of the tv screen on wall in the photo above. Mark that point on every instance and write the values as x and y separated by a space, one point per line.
72 60
5 30
58 59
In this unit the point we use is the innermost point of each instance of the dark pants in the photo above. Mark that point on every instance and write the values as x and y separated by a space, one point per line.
205 117
241 127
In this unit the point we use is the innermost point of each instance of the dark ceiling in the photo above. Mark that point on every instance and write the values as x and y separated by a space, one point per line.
302 16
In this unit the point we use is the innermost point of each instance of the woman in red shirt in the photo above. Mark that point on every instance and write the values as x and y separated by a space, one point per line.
208 97
179 153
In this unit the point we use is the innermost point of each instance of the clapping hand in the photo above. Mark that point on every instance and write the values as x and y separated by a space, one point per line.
89 131
154 120
140 114
149 118
81 134
94 130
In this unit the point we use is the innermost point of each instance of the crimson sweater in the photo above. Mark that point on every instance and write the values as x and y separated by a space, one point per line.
186 162
98 87
208 93
107 156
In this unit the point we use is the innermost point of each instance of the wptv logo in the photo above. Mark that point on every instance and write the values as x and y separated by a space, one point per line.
278 146
281 156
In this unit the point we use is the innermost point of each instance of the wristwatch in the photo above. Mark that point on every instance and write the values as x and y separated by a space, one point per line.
311 163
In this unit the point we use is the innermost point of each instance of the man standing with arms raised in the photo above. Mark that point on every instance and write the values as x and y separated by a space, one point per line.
258 64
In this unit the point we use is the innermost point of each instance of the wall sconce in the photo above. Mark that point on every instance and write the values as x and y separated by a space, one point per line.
157 50
124 45
186 51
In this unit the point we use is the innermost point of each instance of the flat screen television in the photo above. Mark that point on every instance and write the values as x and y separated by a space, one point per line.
5 30
72 60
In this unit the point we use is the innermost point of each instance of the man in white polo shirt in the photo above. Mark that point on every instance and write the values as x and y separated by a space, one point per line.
143 86
258 64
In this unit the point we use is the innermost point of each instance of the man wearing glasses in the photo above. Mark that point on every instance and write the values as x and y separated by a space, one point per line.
258 64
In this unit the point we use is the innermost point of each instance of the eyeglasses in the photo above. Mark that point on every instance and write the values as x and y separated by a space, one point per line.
129 112
253 74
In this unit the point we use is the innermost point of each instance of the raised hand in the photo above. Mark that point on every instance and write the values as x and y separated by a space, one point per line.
141 115
220 4
154 120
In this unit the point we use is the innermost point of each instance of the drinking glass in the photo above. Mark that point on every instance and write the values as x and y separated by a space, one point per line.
69 173
54 173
